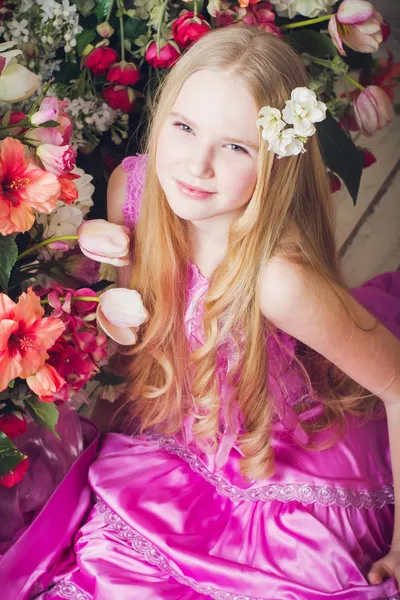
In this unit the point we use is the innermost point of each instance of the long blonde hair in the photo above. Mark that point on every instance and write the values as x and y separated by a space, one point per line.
290 213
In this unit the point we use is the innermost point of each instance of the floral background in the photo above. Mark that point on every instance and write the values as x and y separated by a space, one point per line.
76 81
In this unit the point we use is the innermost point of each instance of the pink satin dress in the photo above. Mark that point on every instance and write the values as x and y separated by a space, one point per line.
169 521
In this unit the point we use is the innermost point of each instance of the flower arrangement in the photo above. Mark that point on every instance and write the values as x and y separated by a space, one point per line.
107 58
60 320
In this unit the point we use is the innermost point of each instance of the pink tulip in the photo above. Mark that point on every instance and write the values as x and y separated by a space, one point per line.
46 382
358 25
120 313
59 160
373 109
104 242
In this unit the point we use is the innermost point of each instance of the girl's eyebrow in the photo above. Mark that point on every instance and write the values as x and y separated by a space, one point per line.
179 115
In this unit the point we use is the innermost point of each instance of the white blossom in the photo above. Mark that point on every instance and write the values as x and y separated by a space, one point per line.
286 143
308 8
271 122
302 110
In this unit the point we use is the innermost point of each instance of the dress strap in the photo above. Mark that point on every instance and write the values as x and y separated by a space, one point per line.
135 166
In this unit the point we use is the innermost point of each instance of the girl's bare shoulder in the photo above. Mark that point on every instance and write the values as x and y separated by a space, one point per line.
116 194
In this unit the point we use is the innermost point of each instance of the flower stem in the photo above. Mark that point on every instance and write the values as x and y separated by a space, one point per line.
109 11
80 298
50 240
159 25
305 23
122 34
195 8
354 82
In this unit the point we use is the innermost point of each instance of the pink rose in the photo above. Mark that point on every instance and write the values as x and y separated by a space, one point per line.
187 29
124 73
169 53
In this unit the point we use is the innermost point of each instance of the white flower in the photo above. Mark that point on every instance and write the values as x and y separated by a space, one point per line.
65 221
302 110
85 191
308 8
286 143
270 121
16 82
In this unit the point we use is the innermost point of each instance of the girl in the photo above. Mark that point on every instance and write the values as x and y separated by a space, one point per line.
259 386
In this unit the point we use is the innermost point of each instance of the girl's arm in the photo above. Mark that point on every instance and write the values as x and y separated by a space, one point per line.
305 307
104 411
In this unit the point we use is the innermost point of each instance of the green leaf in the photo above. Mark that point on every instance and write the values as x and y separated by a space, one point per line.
10 456
44 413
83 39
312 42
341 154
101 9
133 28
50 124
8 253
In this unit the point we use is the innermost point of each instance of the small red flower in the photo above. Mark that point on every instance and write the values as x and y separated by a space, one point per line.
334 182
123 73
100 60
188 28
168 54
12 424
120 97
16 475
368 157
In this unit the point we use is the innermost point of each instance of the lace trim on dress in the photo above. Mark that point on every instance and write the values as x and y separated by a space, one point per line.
153 556
283 492
135 166
68 591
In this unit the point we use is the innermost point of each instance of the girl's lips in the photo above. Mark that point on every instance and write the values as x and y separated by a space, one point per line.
198 194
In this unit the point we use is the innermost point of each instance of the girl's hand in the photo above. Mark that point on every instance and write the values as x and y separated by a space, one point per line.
388 566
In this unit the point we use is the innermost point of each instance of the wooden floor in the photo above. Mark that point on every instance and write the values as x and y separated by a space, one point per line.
368 235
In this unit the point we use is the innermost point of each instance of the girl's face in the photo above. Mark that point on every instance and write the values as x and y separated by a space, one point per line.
209 141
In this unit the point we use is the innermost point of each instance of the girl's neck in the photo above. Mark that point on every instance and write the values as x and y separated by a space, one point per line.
207 250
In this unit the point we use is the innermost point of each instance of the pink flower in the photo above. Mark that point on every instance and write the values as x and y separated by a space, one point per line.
120 313
188 28
104 242
81 268
51 109
101 59
261 15
25 336
373 109
15 475
358 25
124 73
59 160
23 187
169 53
46 382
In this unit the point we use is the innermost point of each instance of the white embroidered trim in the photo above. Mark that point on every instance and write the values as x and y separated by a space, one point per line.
68 591
301 492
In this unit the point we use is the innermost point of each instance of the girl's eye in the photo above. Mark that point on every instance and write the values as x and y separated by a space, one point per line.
238 148
181 126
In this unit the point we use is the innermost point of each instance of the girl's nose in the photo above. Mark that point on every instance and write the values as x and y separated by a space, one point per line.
199 163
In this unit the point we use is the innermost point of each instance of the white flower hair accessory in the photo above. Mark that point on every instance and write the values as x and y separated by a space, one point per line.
301 111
